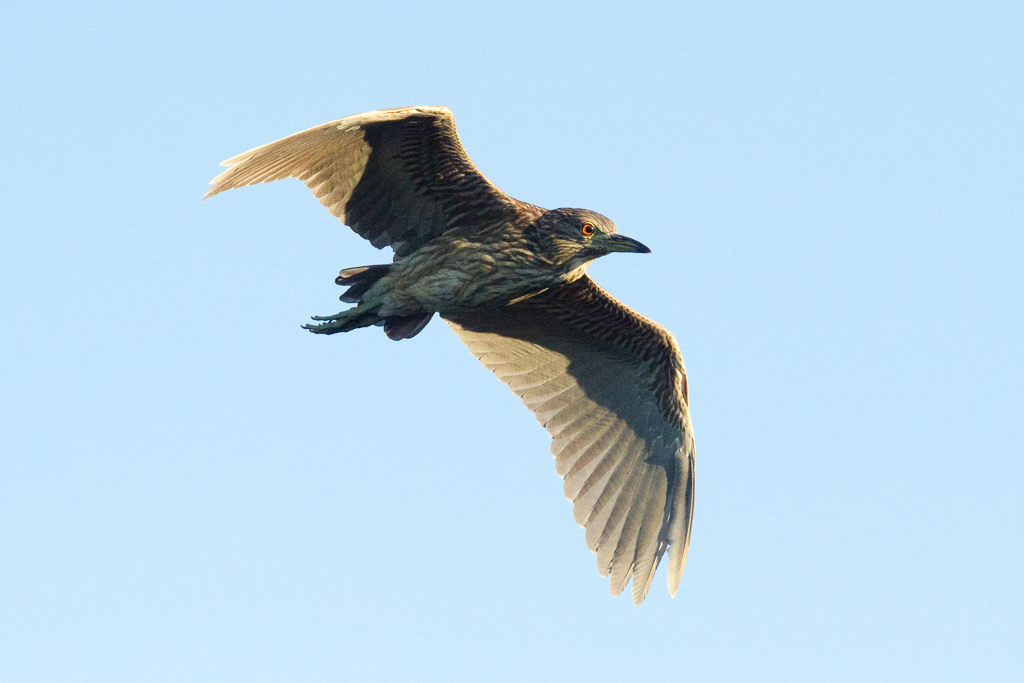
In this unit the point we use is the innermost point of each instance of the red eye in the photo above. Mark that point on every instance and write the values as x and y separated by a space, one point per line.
588 229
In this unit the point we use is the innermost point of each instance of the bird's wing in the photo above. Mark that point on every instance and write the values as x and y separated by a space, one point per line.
398 177
610 387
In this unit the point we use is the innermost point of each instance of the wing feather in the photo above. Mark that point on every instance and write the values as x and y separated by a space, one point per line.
598 476
647 542
567 448
614 441
609 553
624 555
596 495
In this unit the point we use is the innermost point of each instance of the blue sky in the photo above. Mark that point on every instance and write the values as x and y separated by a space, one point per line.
194 488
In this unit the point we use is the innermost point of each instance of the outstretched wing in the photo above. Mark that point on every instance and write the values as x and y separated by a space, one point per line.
398 177
610 387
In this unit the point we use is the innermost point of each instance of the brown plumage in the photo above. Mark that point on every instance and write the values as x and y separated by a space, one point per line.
510 278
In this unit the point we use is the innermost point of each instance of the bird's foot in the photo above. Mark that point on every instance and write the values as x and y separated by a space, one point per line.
342 322
329 324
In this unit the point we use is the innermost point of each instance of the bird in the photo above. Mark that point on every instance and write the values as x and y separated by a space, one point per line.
510 279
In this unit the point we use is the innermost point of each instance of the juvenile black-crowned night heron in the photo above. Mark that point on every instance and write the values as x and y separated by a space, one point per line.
510 278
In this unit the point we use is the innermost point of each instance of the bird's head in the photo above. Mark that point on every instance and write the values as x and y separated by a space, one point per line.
573 237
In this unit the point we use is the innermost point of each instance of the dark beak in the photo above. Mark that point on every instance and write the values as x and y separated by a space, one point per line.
617 242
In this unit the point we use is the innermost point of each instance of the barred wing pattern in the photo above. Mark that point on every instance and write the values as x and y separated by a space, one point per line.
398 177
610 387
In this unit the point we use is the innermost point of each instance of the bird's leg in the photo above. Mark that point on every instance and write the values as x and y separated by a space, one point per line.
353 318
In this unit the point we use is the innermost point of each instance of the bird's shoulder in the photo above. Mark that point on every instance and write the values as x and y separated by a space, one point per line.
580 319
609 324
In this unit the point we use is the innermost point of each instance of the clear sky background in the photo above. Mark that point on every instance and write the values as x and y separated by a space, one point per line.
192 488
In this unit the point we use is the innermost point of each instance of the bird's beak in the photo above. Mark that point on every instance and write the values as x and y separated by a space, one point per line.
617 242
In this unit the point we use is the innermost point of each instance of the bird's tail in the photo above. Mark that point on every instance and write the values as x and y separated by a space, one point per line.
360 280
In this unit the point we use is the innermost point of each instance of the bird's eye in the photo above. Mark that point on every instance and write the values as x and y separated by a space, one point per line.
588 229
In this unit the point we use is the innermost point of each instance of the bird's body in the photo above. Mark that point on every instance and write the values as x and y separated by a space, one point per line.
456 272
510 278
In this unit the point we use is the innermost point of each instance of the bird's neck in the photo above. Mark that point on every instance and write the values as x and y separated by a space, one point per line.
576 273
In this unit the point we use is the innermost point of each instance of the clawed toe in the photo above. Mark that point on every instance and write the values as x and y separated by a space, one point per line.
319 329
345 321
329 323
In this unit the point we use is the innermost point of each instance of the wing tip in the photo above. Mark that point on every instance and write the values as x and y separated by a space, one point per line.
617 588
677 553
675 575
649 568
640 589
682 525
223 181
